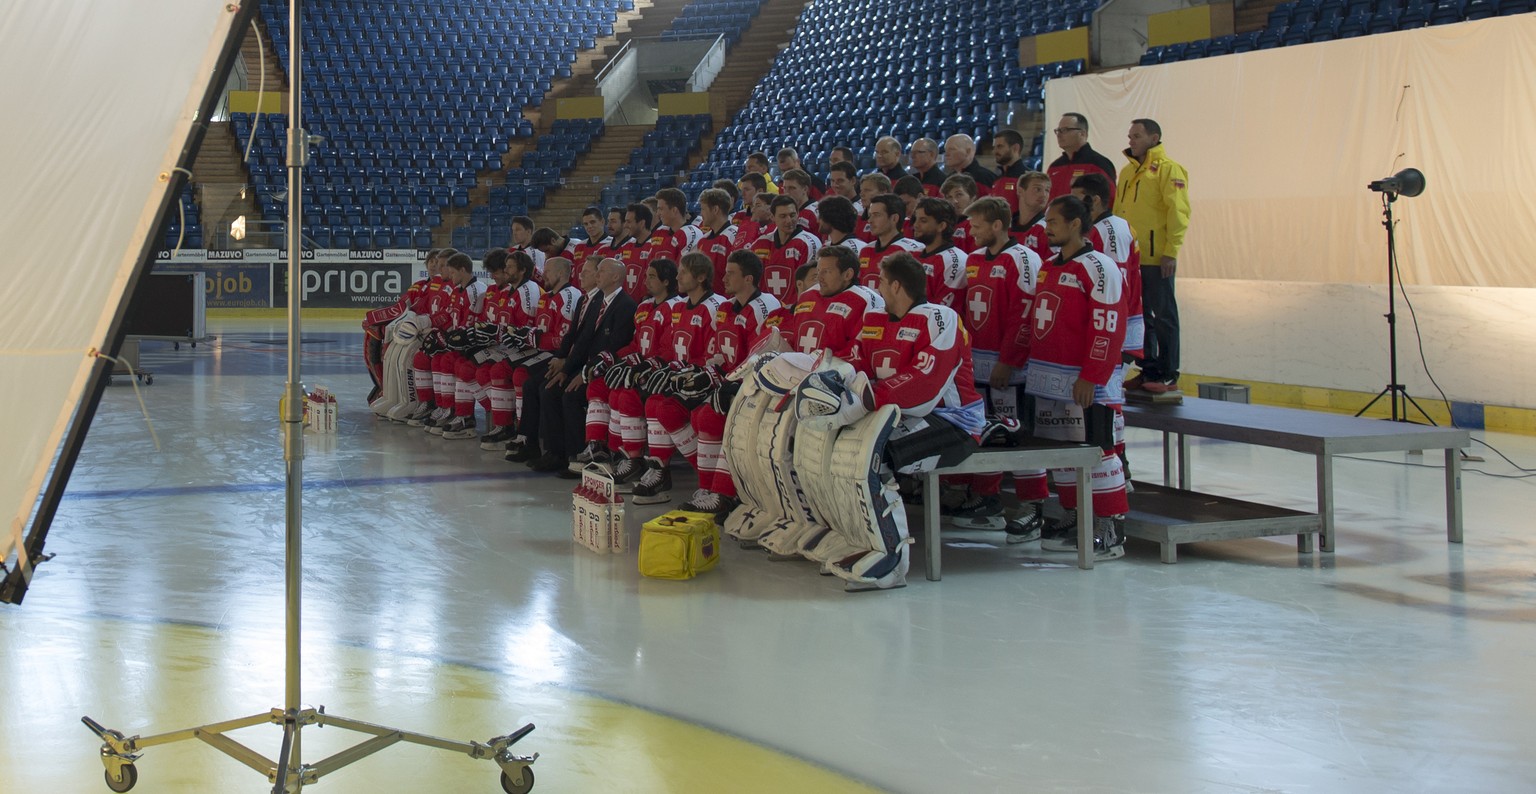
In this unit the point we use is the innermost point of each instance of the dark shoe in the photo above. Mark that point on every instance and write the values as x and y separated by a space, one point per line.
548 464
1062 535
626 473
520 452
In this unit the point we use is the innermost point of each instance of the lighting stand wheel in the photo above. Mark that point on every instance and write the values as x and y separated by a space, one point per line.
130 775
508 786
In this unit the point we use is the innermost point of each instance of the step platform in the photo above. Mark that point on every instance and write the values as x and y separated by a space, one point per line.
1170 516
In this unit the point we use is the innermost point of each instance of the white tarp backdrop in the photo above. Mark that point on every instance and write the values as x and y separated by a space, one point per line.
100 99
1280 144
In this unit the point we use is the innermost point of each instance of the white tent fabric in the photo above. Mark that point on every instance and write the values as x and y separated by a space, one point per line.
100 99
1280 144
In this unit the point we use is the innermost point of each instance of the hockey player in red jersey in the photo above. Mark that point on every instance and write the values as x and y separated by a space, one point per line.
740 325
784 250
886 214
838 220
555 316
1000 283
1077 330
635 248
1008 151
750 224
611 411
598 241
719 238
667 422
1034 192
1111 235
913 355
377 320
830 316
445 304
452 319
512 312
522 240
797 185
942 260
682 234
960 192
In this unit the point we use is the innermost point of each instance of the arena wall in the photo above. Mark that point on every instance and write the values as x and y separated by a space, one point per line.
1282 276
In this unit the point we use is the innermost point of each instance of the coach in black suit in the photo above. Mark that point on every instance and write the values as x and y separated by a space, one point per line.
605 326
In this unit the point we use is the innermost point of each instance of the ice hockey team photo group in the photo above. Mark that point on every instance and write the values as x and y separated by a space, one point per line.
811 346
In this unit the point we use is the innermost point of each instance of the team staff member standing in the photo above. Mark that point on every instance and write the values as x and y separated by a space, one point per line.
1078 158
1154 199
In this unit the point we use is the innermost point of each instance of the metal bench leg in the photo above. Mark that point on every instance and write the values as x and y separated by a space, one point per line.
1167 460
1304 543
931 525
1453 496
1184 462
1084 518
1325 499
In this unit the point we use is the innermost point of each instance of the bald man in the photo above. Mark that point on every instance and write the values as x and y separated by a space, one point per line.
960 158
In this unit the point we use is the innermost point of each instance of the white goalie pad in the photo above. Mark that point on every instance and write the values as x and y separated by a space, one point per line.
397 394
856 496
739 445
757 445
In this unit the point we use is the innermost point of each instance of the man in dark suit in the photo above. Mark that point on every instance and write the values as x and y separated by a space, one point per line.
606 323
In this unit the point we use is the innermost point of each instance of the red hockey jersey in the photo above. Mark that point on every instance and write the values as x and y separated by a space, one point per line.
556 312
831 322
739 326
690 331
998 291
718 246
920 362
781 259
1111 236
873 254
1077 327
651 321
1032 236
946 274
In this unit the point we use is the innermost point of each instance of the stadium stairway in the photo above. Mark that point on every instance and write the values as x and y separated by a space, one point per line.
585 182
219 169
745 65
647 18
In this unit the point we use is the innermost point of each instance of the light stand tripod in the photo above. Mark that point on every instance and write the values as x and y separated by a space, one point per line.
288 773
1395 392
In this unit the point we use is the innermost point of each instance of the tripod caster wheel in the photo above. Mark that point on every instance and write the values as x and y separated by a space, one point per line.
508 786
130 778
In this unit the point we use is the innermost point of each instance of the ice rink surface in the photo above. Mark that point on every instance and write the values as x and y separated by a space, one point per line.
443 594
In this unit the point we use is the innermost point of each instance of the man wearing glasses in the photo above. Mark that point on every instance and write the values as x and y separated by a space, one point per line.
1077 157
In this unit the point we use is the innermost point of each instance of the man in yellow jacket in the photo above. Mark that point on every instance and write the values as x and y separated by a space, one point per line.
1153 197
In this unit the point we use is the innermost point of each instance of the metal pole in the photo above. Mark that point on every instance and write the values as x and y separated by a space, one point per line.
293 406
1392 385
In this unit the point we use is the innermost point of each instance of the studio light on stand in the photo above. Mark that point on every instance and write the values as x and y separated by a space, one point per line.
1407 182
288 773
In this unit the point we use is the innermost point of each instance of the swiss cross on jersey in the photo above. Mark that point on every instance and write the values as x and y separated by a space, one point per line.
781 259
650 324
690 331
739 326
919 361
554 318
873 254
998 291
1077 325
833 322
